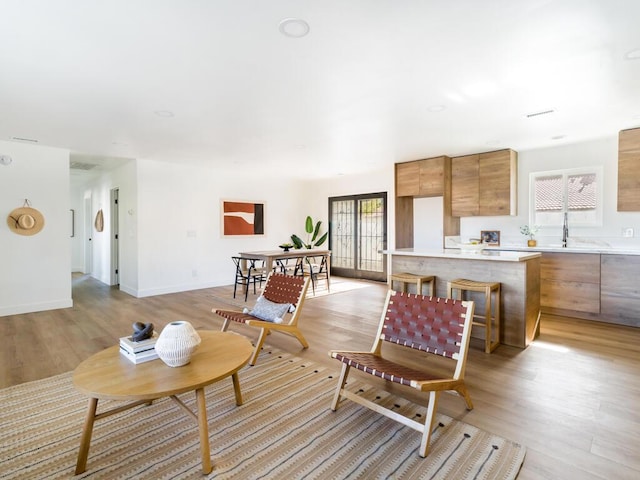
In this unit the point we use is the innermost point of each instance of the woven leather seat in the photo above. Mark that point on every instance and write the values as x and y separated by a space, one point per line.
431 325
279 289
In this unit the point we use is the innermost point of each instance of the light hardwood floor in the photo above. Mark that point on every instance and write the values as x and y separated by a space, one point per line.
572 397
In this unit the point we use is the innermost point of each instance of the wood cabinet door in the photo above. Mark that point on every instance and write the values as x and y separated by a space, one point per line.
432 177
407 179
629 170
465 186
620 292
570 281
497 172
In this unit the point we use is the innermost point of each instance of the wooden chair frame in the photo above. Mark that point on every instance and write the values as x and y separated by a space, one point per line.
279 288
433 325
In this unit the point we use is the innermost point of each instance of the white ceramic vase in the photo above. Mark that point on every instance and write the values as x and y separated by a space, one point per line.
176 343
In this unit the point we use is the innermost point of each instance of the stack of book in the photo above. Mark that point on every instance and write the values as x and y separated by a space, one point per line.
139 352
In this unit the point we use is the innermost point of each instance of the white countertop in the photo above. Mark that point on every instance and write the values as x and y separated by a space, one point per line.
455 253
558 249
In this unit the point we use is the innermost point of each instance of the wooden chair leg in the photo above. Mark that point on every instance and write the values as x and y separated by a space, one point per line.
341 383
464 393
256 352
428 423
298 334
225 325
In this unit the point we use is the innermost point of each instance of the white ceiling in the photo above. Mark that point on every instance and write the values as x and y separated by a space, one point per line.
357 93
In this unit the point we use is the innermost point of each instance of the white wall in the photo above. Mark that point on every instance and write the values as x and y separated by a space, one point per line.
180 243
601 152
35 270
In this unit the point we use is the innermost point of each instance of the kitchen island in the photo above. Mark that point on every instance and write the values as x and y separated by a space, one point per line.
518 273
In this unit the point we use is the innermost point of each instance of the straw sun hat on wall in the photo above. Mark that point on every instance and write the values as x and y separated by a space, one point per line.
25 220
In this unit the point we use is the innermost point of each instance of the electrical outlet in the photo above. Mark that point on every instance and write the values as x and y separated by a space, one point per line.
627 232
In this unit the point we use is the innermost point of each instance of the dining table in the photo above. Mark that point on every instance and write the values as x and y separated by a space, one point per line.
270 256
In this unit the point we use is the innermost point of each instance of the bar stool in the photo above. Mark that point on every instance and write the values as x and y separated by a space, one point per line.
417 280
488 288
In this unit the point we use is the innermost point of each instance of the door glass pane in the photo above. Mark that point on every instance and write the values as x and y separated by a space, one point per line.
342 233
371 234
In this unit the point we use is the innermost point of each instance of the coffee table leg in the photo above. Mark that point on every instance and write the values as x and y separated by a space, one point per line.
236 388
205 450
85 441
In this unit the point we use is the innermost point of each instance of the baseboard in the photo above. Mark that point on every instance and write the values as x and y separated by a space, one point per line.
35 307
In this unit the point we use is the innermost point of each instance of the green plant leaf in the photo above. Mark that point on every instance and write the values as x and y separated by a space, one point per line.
316 231
296 241
309 225
322 239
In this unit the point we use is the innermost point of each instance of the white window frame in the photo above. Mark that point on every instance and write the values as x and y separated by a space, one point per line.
573 217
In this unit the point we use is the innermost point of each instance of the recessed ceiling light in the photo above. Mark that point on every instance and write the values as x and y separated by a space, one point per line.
633 54
164 113
5 160
436 108
293 27
558 137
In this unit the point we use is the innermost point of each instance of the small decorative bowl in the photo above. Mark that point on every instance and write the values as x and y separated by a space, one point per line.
472 247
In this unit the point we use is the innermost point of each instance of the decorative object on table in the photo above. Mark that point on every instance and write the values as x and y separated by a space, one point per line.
312 235
490 237
242 218
176 343
530 231
472 247
139 351
141 331
286 246
25 220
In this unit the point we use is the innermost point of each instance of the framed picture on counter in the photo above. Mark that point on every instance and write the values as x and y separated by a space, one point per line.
490 237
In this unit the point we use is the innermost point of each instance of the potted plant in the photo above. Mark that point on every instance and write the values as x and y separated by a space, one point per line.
312 235
530 231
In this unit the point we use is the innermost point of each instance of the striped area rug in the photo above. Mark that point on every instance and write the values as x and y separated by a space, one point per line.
284 430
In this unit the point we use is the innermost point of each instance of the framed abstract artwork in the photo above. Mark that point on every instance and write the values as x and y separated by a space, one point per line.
242 218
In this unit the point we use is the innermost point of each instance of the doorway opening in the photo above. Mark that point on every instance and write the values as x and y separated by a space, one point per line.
357 234
115 246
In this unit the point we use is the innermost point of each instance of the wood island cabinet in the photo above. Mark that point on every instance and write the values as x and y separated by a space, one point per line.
484 184
570 281
629 170
620 290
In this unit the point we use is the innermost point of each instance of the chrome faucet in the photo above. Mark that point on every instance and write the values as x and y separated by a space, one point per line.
565 231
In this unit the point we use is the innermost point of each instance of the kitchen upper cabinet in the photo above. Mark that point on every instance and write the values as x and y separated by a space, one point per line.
465 186
629 170
484 184
421 178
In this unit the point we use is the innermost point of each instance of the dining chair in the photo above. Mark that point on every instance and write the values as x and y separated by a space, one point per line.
317 268
277 309
423 327
248 270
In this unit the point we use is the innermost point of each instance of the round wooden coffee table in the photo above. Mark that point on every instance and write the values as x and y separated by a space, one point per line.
108 375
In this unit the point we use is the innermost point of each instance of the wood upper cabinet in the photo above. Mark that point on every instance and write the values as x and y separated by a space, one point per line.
465 186
629 170
421 178
484 184
407 179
